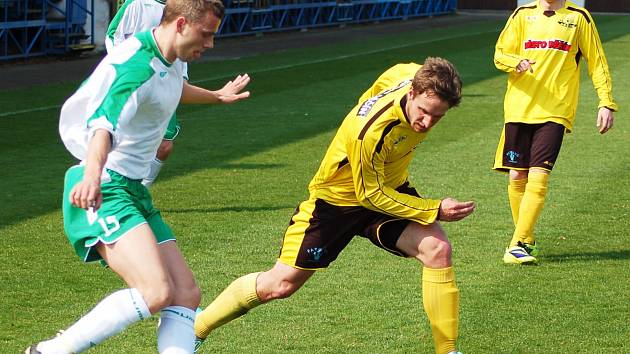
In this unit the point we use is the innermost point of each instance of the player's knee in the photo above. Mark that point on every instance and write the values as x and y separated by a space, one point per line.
164 150
283 290
158 297
436 252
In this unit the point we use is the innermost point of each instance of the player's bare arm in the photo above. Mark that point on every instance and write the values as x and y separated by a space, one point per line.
454 210
605 120
87 193
229 93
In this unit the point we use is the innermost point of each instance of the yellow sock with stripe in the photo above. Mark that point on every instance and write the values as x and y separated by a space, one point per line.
440 297
238 298
531 206
516 189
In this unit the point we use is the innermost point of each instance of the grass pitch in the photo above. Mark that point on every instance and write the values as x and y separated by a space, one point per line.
238 172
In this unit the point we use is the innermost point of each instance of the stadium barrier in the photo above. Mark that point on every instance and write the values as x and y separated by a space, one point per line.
41 27
258 16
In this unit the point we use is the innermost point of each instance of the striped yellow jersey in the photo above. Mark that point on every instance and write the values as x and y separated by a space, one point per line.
556 41
390 78
369 158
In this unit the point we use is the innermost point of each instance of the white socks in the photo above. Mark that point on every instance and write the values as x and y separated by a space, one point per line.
156 166
109 317
176 334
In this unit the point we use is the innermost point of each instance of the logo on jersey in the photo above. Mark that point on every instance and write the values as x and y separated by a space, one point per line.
512 156
568 22
163 73
555 44
366 107
400 139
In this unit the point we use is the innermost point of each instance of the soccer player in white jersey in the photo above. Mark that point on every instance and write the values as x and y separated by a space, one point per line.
114 124
541 47
135 16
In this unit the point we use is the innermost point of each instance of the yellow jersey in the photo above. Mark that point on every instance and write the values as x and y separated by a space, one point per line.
370 154
556 41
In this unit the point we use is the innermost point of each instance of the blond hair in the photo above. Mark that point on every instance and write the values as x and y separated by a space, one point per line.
192 10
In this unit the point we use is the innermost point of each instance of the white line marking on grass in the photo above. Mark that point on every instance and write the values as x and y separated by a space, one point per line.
288 66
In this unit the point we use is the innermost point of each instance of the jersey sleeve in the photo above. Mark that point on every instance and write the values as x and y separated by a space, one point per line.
506 50
367 156
591 48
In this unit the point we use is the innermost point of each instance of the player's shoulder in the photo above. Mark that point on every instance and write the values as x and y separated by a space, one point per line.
525 9
581 11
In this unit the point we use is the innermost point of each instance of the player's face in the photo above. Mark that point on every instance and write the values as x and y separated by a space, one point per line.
196 37
424 110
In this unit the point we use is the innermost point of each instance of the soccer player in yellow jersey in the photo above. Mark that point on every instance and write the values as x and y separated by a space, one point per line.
362 188
541 48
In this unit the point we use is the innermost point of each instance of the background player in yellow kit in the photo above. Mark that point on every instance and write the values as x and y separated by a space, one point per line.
362 188
541 48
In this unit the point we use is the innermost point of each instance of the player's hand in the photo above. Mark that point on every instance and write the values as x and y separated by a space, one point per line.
525 65
87 194
231 92
604 120
453 210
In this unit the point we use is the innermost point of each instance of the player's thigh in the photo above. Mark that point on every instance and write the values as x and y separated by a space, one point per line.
513 151
318 232
186 293
135 257
546 144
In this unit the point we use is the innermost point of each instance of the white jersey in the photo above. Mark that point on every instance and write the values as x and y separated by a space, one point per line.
134 16
132 93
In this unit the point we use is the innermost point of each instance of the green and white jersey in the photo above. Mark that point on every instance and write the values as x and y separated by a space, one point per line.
134 16
132 93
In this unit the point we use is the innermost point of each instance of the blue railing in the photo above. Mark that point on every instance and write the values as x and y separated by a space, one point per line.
30 28
254 16
40 27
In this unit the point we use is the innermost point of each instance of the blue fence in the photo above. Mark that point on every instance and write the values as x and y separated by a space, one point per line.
31 28
255 16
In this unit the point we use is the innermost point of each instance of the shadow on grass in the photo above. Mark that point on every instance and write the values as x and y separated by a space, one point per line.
588 256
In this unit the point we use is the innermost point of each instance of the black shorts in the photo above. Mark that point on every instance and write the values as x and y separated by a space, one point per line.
524 146
319 231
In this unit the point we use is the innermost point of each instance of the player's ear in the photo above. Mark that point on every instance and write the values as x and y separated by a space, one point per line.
180 22
411 94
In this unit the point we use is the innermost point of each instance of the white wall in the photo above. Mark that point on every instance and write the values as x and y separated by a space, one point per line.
577 2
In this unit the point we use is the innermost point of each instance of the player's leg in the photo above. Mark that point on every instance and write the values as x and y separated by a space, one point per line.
545 148
247 292
310 243
440 296
135 258
513 156
175 331
164 151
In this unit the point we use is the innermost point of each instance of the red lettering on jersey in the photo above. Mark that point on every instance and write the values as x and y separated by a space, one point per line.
556 44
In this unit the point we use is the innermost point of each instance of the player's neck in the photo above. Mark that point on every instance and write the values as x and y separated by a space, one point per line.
551 5
164 40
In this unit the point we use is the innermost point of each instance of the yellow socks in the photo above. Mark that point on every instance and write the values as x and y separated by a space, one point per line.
440 297
530 208
516 189
238 298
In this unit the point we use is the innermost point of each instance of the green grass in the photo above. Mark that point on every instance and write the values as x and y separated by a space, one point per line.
238 171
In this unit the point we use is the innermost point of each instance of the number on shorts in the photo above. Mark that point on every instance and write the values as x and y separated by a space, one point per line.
105 224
